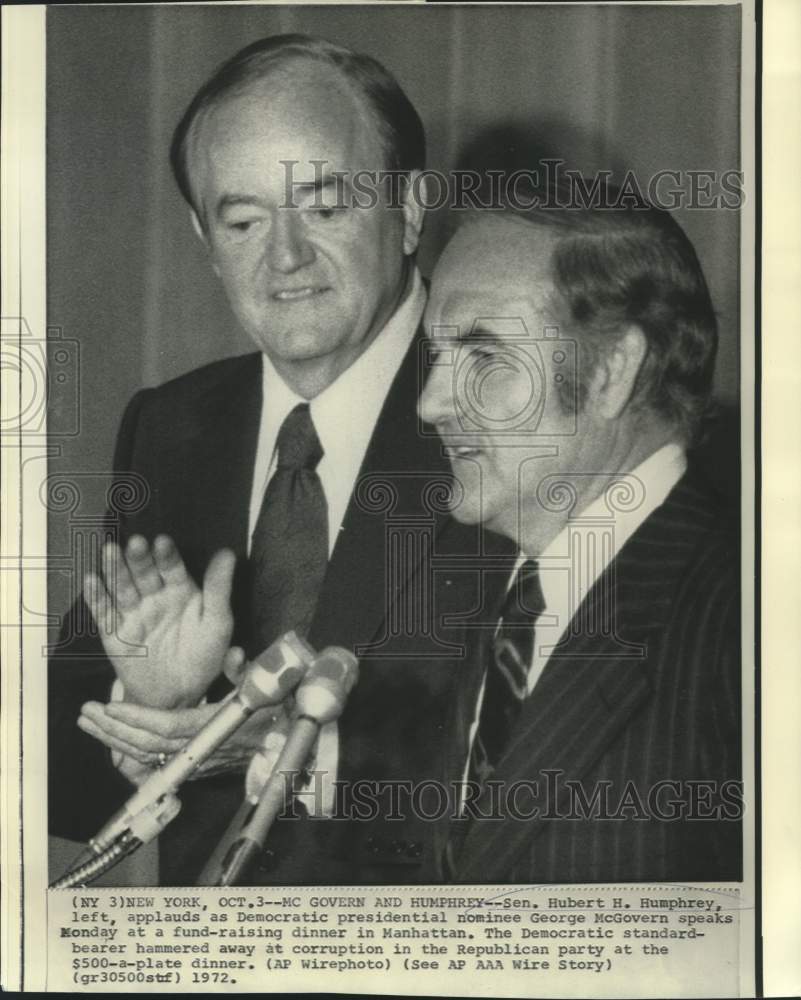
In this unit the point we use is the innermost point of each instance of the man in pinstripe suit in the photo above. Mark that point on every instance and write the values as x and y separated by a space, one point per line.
596 733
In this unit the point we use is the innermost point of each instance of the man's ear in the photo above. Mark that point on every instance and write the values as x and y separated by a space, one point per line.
414 200
616 373
197 225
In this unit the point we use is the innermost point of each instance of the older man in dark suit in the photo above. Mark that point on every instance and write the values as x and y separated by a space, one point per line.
297 473
596 736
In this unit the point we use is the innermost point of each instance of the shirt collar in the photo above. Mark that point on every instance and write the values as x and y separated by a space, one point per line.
346 411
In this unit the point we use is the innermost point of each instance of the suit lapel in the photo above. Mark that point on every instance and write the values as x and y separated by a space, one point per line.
391 494
595 683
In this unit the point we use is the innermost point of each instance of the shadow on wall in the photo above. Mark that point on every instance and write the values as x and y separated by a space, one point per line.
503 148
716 459
545 147
512 145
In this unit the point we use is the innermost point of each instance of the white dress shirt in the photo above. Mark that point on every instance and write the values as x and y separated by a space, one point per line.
576 558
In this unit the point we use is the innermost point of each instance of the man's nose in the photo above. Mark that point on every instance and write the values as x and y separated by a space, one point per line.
436 401
288 247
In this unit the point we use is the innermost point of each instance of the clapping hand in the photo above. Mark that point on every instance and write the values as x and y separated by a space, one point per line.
166 638
144 734
185 633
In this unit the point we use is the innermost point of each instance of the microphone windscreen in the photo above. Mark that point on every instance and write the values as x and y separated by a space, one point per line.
325 688
275 673
338 665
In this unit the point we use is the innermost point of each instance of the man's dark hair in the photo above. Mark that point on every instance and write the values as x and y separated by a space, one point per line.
396 119
625 262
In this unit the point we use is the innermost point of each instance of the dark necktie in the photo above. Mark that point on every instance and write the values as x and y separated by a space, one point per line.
289 550
506 682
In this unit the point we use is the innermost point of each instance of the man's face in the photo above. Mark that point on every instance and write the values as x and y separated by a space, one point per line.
492 393
312 284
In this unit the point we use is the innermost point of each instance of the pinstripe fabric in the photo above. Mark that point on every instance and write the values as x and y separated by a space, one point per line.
619 719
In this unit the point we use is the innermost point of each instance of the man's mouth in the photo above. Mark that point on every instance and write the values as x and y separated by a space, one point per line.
296 294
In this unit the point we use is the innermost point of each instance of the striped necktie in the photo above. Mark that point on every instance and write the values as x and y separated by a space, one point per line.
506 679
508 660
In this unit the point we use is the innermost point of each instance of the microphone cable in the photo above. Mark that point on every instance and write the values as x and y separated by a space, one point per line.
97 866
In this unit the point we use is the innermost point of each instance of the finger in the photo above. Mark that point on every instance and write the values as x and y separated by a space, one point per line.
217 582
135 772
117 578
139 558
263 722
99 602
234 664
135 736
218 765
169 562
176 723
112 742
141 740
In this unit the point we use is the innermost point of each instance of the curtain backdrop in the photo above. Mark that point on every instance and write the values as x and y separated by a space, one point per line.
619 88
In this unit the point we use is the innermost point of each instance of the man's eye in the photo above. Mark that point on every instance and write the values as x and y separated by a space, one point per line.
325 212
243 225
239 228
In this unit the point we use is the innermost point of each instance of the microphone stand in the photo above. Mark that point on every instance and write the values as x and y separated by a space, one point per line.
320 698
266 681
254 822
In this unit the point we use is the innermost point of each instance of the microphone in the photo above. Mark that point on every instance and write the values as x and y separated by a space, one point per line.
267 680
320 698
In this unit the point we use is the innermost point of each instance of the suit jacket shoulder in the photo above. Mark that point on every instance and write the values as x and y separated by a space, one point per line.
182 407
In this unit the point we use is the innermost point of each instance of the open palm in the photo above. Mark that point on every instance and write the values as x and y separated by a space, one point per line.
165 637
